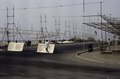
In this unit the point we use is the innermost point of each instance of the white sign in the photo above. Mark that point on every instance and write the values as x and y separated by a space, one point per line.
13 46
45 48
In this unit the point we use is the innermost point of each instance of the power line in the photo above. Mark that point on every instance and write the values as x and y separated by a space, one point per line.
55 6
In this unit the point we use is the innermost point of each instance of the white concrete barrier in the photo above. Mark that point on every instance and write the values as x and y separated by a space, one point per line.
45 48
13 46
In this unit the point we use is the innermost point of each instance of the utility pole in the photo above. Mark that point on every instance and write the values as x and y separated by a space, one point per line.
11 28
57 24
67 33
7 29
73 30
10 24
76 30
69 30
101 23
41 28
83 27
13 24
65 30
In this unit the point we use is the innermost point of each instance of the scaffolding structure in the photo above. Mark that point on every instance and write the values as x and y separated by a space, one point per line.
112 25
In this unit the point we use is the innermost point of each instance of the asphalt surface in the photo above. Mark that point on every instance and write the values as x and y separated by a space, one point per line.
55 66
52 66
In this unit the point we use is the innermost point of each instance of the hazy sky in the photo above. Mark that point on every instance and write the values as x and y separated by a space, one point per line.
30 17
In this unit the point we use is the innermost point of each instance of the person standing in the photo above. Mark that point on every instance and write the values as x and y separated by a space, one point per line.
90 48
46 46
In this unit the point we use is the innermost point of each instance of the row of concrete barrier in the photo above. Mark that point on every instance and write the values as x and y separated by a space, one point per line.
47 47
41 48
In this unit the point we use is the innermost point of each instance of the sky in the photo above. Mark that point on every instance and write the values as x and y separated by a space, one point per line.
28 12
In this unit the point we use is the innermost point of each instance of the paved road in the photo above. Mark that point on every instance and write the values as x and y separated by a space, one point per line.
10 71
35 68
52 66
